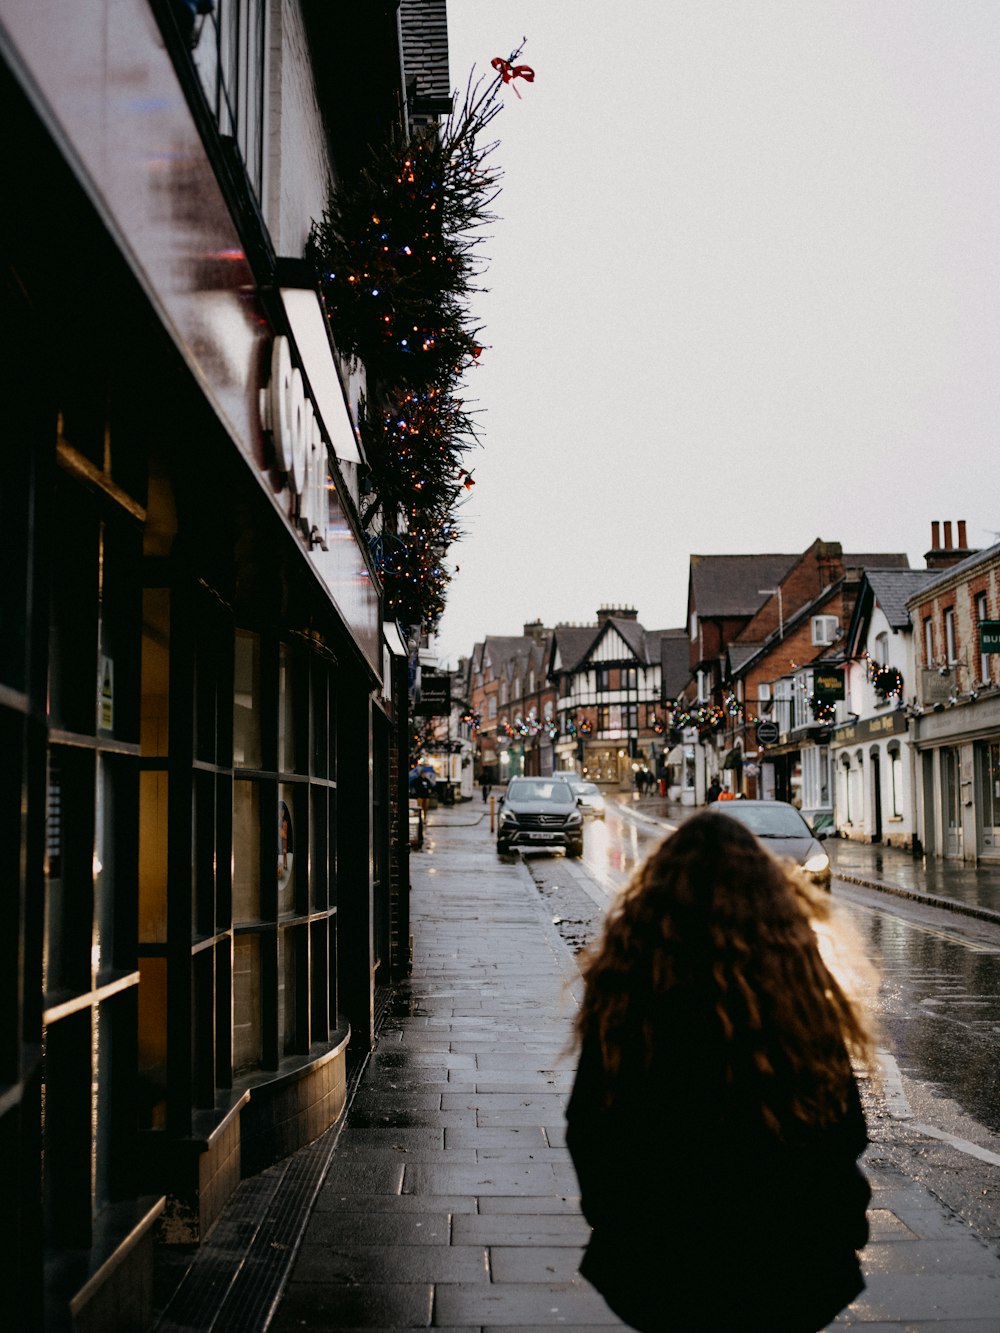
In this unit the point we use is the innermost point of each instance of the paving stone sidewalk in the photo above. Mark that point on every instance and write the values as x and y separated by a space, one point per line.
450 1199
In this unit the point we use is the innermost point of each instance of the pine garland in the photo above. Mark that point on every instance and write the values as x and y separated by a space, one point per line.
397 254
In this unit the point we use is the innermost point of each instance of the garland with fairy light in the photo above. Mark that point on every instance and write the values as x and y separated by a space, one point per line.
705 718
473 720
886 680
396 248
396 252
822 708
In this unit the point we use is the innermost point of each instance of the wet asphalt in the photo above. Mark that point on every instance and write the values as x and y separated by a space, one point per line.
447 1199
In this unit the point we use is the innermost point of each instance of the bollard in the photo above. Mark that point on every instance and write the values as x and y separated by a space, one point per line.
493 806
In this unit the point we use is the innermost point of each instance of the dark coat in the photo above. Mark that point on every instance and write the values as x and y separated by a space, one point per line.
703 1219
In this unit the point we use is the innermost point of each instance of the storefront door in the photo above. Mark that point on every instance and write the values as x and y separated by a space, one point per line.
988 788
951 789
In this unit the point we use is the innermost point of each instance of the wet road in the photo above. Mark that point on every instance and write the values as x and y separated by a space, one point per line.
931 980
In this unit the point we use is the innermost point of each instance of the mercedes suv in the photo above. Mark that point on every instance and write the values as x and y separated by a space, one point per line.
540 812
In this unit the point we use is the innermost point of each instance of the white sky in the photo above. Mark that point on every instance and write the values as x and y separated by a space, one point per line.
743 293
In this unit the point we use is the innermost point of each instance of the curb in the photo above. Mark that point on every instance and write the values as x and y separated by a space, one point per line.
928 899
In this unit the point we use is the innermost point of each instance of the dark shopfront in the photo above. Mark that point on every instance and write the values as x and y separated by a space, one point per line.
197 783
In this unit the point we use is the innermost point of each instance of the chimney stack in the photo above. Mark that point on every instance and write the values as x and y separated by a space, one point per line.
943 556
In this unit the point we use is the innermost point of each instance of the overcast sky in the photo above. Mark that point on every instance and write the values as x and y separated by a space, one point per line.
743 293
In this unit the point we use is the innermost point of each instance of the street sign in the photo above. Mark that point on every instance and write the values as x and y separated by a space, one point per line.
989 636
767 733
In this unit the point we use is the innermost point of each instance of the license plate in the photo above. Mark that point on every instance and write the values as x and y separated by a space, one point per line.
540 837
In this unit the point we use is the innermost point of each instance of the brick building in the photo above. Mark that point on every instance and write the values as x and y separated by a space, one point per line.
957 699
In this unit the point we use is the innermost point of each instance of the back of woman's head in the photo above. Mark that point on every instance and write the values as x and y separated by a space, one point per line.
714 919
710 887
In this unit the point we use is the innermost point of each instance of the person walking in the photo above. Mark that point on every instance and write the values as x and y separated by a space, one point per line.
713 792
715 1122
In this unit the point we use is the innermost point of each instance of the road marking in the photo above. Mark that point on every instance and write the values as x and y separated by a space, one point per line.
898 1105
950 936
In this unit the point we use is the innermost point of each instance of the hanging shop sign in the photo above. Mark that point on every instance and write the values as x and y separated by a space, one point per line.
434 698
989 636
828 684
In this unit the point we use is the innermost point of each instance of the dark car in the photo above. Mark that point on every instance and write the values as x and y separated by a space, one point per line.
783 831
539 812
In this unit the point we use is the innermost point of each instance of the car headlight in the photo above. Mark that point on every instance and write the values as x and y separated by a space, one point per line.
575 818
817 864
508 817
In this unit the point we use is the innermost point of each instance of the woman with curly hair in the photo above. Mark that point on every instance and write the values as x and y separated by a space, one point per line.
715 1122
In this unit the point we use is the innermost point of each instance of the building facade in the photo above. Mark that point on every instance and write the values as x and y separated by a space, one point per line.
608 679
202 714
957 701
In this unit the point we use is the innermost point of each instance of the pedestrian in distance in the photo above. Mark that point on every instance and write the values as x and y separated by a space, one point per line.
487 788
421 790
714 791
715 1123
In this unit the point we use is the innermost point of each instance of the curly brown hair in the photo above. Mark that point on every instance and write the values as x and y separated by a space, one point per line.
713 926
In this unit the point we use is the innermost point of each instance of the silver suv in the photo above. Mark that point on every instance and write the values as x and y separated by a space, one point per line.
540 812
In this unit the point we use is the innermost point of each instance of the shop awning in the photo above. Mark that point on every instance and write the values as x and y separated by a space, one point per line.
305 318
734 759
393 638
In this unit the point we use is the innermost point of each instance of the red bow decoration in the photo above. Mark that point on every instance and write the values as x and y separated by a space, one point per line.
509 72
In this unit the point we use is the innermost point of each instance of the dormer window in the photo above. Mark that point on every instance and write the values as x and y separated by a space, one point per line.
824 630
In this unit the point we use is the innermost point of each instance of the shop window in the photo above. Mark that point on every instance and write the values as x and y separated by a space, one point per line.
286 849
114 866
14 558
74 613
287 1007
319 829
896 772
291 710
320 720
247 1050
246 701
246 852
152 1101
69 872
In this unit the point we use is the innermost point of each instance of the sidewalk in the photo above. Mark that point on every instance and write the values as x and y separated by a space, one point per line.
448 1200
971 890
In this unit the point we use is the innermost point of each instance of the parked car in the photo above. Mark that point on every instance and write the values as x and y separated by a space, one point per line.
540 812
784 831
589 796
